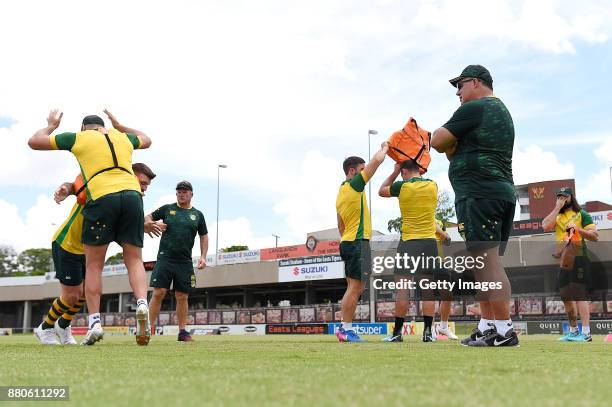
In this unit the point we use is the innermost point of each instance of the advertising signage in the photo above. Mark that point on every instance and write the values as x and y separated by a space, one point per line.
310 268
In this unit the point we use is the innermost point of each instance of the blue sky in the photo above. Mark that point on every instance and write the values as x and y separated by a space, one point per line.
282 95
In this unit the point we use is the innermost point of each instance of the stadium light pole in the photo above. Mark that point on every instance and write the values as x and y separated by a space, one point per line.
370 133
372 291
611 179
217 235
277 237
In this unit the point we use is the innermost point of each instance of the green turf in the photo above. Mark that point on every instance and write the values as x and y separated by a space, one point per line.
313 370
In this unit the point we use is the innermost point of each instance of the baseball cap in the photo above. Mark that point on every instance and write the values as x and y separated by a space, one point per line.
184 185
93 119
565 191
474 71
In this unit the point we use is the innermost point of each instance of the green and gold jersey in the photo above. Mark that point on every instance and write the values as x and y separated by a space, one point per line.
68 236
352 206
95 152
482 164
182 226
582 219
418 199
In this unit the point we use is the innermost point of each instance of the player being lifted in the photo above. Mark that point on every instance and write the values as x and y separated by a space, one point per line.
355 227
113 211
69 263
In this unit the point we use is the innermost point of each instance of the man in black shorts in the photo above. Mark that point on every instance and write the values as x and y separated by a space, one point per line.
478 140
418 199
174 265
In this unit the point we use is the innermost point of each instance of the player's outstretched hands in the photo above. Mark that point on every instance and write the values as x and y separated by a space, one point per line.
153 228
201 263
113 120
54 119
62 192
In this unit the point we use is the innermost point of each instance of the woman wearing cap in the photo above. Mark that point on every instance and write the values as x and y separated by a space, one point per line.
572 225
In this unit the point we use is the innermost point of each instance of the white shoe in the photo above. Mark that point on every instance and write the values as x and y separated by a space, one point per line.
94 335
46 336
143 326
447 332
65 335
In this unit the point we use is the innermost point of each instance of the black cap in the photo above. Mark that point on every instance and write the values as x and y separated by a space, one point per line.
474 71
184 185
565 191
93 119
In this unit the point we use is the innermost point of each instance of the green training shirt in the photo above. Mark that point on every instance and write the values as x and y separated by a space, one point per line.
182 225
482 164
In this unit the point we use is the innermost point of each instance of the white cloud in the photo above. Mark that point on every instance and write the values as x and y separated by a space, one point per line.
604 152
37 227
534 164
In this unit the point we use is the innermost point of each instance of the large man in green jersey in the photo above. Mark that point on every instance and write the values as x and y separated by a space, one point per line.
174 264
478 140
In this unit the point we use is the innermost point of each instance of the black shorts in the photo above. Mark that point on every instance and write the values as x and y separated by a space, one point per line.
176 273
579 274
116 217
357 257
485 223
418 256
69 267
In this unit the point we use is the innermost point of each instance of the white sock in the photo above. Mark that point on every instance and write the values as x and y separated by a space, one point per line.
142 301
483 325
443 324
503 326
586 329
94 319
347 326
574 329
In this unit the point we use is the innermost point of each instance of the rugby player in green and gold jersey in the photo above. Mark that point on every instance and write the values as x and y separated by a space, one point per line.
113 210
355 227
478 140
174 265
418 199
69 263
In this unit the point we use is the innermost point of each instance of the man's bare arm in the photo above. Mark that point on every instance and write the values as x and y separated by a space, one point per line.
376 160
385 188
40 139
145 141
443 140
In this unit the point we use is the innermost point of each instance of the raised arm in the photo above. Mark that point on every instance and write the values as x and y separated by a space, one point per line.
385 188
40 139
145 141
376 160
549 222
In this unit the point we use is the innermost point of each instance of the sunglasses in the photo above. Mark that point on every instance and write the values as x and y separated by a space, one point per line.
460 83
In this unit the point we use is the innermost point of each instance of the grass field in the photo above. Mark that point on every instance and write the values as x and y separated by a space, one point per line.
313 370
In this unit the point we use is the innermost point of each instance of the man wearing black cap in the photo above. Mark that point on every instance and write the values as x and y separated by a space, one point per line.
113 210
478 140
572 225
174 265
